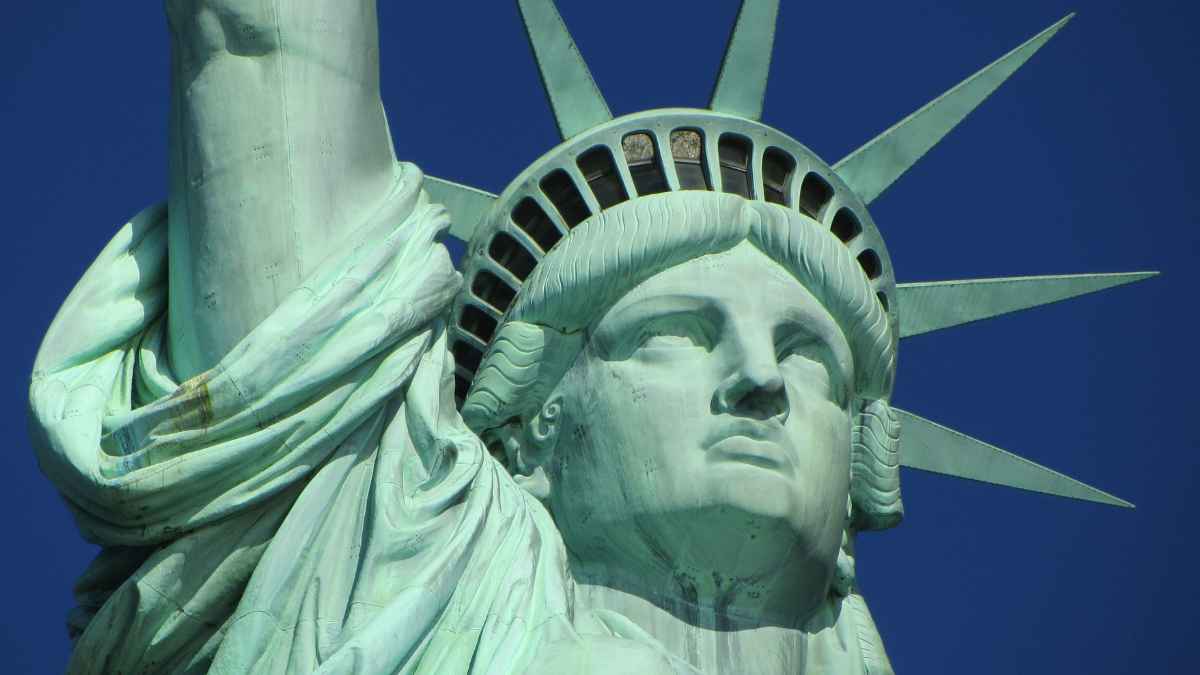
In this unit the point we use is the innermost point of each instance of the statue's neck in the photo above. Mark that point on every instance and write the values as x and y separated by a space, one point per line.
776 614
828 644
705 638
703 600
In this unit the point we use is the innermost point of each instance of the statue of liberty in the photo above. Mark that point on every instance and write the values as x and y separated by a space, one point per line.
638 431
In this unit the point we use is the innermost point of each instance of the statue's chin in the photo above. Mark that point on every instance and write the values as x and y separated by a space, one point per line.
723 565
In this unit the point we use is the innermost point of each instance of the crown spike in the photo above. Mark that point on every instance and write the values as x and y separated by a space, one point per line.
467 205
929 446
742 84
576 100
934 305
873 167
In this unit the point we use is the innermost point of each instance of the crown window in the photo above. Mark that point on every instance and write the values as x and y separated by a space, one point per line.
815 194
846 225
561 190
734 152
644 163
466 356
530 217
687 149
778 167
490 289
869 261
474 321
600 172
511 255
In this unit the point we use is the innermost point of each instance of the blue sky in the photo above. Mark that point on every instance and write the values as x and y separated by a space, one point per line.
1083 162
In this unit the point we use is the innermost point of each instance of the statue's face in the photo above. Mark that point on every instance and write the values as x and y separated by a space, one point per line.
706 424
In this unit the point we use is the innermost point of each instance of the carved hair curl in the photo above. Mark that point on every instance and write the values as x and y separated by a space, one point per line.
875 468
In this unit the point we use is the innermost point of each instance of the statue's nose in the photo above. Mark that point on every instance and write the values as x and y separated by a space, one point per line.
755 389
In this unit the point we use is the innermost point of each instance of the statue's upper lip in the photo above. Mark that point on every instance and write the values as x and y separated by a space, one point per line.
765 447
757 430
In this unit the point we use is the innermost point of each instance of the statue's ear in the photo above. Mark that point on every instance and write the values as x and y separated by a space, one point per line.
529 446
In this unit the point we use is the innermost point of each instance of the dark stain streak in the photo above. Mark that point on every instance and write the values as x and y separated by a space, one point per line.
196 408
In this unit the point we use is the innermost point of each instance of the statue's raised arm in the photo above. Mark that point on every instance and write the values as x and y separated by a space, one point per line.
305 295
278 148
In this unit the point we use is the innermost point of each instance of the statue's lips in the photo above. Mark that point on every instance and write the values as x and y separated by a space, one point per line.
757 444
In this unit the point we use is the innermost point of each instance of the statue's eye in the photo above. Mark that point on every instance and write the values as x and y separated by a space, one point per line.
676 331
808 358
801 345
801 348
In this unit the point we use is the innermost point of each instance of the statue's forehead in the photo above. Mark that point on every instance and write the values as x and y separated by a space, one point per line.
740 273
742 281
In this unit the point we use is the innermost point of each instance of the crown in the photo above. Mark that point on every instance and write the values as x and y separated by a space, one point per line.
602 162
635 156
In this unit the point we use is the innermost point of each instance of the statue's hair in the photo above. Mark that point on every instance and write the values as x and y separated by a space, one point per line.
875 468
608 255
524 364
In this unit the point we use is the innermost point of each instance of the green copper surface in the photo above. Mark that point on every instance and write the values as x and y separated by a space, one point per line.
934 305
467 205
742 84
576 100
930 446
876 165
640 432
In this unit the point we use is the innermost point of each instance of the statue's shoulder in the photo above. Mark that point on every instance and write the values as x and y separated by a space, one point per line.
594 654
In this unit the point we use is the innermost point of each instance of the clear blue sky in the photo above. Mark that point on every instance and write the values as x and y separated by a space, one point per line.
1084 162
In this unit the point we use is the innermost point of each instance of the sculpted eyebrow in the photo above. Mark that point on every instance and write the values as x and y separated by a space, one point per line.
796 325
657 307
823 331
617 324
819 325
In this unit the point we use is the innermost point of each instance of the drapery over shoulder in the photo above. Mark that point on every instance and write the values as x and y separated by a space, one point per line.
314 500
141 459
